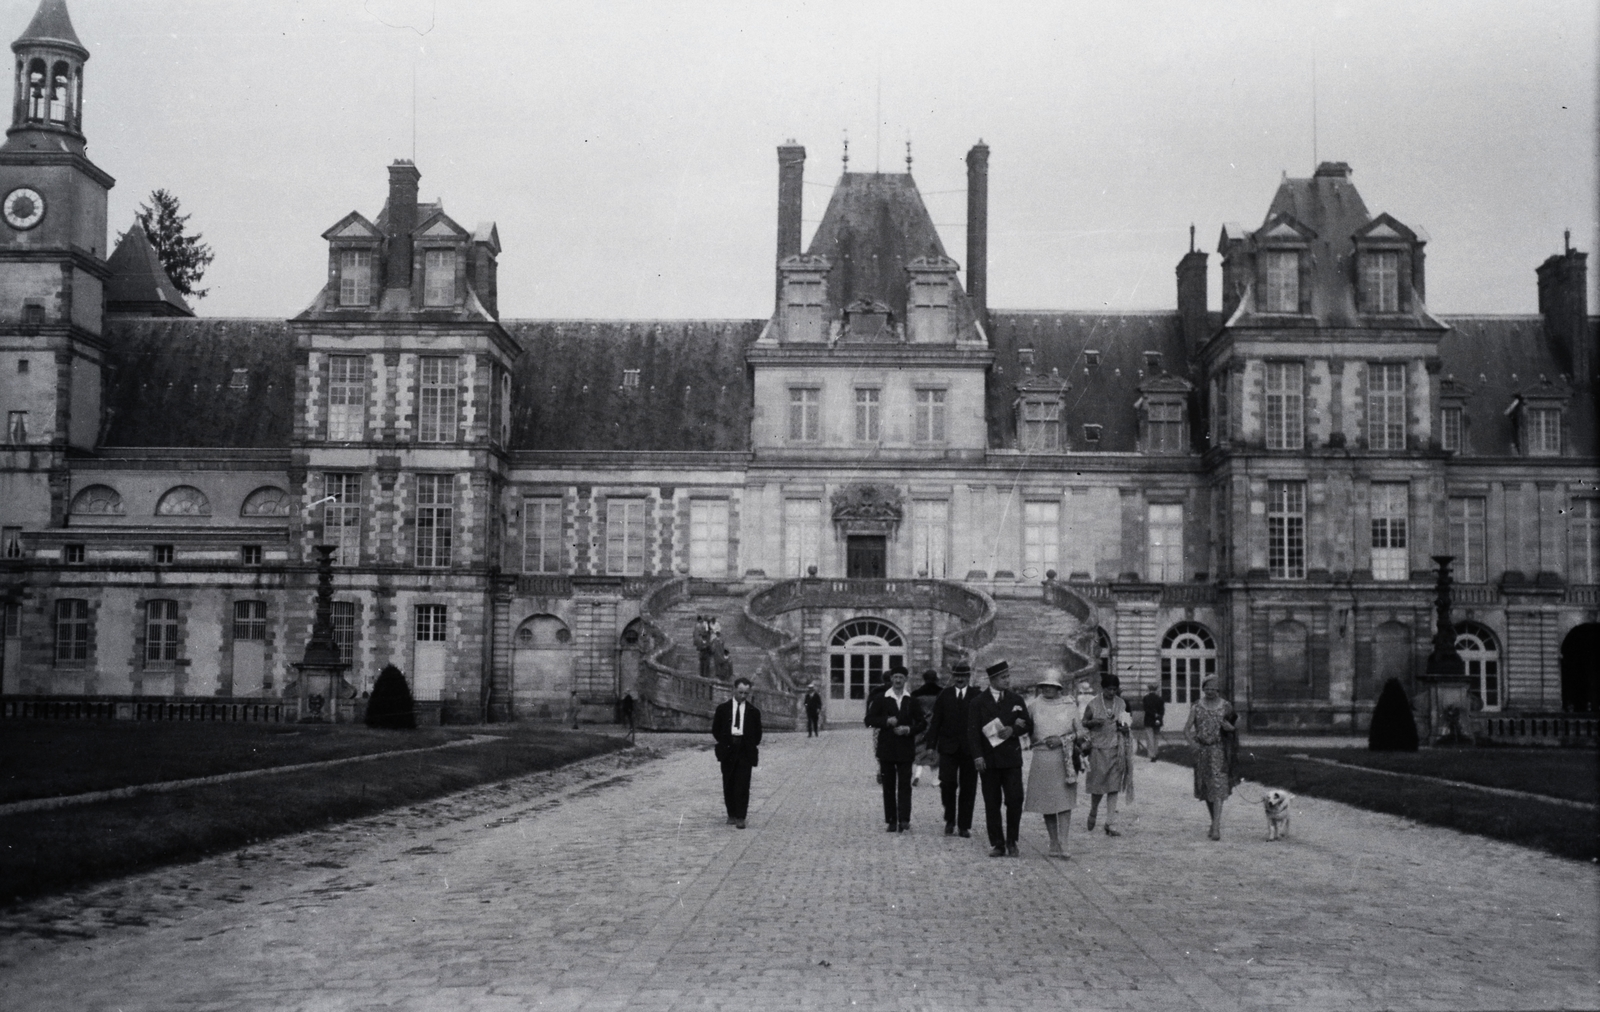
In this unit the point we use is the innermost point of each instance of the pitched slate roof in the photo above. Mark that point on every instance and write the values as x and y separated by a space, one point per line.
1493 358
172 382
694 390
138 282
51 23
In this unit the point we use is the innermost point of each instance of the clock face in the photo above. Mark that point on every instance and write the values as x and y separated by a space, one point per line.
24 208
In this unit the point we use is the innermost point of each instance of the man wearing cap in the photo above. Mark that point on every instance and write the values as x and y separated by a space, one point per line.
947 734
999 762
898 720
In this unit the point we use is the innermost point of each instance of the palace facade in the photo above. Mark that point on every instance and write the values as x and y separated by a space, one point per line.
530 514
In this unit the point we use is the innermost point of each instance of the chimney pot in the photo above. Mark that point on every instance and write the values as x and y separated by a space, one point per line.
791 184
978 230
403 179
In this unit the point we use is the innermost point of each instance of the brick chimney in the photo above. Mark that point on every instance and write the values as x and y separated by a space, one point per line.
1564 304
978 230
1192 308
791 183
403 177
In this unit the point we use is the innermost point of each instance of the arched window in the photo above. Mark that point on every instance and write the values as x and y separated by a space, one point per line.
1102 654
36 90
60 82
1188 656
101 500
859 654
1480 652
267 501
183 501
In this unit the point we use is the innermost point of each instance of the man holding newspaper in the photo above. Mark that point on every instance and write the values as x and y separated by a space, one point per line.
996 721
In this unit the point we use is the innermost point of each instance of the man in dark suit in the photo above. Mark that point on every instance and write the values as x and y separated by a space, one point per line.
813 711
737 728
947 734
999 763
899 720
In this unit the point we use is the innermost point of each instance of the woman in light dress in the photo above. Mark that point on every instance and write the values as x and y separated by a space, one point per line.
1110 731
1210 732
1052 781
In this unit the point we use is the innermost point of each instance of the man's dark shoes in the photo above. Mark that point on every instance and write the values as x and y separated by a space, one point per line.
949 829
966 834
738 823
894 827
905 827
998 851
1012 851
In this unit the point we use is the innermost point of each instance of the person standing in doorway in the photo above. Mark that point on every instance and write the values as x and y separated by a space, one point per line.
736 726
996 721
1110 730
1155 712
947 735
813 711
898 719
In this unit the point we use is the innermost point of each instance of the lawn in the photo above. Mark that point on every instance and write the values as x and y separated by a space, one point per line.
51 850
1549 826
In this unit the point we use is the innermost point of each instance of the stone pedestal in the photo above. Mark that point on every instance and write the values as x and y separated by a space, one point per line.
321 693
1445 680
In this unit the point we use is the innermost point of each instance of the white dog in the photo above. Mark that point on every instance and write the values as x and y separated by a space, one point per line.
1276 803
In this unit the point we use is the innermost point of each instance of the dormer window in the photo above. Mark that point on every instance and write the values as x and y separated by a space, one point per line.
1388 265
1164 426
1538 412
439 277
1380 281
1283 281
1544 432
1450 429
355 277
1041 424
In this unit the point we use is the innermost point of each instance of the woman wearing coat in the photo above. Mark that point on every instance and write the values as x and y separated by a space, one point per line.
1052 781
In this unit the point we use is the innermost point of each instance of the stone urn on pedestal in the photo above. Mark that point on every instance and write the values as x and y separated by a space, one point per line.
321 692
1445 681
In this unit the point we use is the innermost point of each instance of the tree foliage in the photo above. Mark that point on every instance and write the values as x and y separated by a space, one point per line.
183 256
1393 729
390 704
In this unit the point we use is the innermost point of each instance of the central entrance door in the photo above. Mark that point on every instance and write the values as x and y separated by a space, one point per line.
866 557
859 655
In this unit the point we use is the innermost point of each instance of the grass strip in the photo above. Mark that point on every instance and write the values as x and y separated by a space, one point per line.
1570 773
1554 828
49 851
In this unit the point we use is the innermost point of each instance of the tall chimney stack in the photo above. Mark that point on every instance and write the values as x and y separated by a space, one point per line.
1564 304
978 230
791 183
1192 296
403 177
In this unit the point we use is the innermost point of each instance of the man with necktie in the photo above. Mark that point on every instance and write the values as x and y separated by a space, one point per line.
736 726
899 720
1004 715
947 734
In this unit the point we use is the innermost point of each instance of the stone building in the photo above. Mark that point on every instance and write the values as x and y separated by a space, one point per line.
530 514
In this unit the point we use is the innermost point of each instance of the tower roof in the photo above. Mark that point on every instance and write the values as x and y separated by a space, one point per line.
51 25
139 285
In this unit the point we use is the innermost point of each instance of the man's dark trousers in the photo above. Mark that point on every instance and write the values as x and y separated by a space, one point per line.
997 783
954 767
896 792
736 786
813 724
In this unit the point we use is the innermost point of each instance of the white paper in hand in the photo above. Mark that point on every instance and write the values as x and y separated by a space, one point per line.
991 731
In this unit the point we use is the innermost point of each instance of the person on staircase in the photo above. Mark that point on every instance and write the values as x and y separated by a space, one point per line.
702 646
721 660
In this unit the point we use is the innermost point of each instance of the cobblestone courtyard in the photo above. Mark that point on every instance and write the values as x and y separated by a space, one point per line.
616 884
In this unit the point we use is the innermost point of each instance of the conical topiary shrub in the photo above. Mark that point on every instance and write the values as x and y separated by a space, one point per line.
390 704
1393 729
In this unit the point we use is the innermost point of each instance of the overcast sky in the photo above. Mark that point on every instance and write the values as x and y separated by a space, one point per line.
627 150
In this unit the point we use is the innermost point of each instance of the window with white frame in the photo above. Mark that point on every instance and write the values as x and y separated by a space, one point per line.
1386 406
341 517
1544 432
436 399
1283 281
433 623
1041 538
11 542
930 421
1450 429
1286 530
1285 407
160 633
802 535
1188 657
1164 543
1467 537
1480 652
439 277
868 419
72 630
805 405
1380 281
435 519
355 277
542 546
1391 504
930 535
1583 534
344 630
1041 424
250 620
1164 422
347 397
625 536
17 427
708 538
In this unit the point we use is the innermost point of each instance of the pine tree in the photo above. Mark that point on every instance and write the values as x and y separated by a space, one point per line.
184 256
390 704
1393 729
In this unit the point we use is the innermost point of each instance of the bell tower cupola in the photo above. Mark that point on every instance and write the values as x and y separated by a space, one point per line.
48 98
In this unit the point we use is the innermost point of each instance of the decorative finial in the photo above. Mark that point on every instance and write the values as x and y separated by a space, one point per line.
908 156
847 152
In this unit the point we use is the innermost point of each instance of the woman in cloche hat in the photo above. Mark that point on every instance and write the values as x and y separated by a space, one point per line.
1052 781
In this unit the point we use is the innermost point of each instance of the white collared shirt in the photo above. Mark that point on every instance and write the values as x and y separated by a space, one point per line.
738 718
898 697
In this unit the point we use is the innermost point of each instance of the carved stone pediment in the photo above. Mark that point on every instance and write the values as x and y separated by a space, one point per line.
868 509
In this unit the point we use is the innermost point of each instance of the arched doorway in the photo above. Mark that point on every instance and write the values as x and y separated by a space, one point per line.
1480 652
542 667
859 654
1188 656
1580 669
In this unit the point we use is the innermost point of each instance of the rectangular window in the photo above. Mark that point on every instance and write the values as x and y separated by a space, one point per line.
439 274
250 620
930 534
1583 531
1041 425
930 416
432 623
1285 420
250 555
708 538
1283 282
1221 419
1544 432
355 277
347 397
1450 429
1286 530
341 517
162 554
1386 406
16 427
1467 538
11 542
541 536
1041 538
1391 504
625 536
344 630
435 519
1380 281
436 400
1164 543
72 630
804 407
630 379
867 420
802 535
160 632
1165 421
72 553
